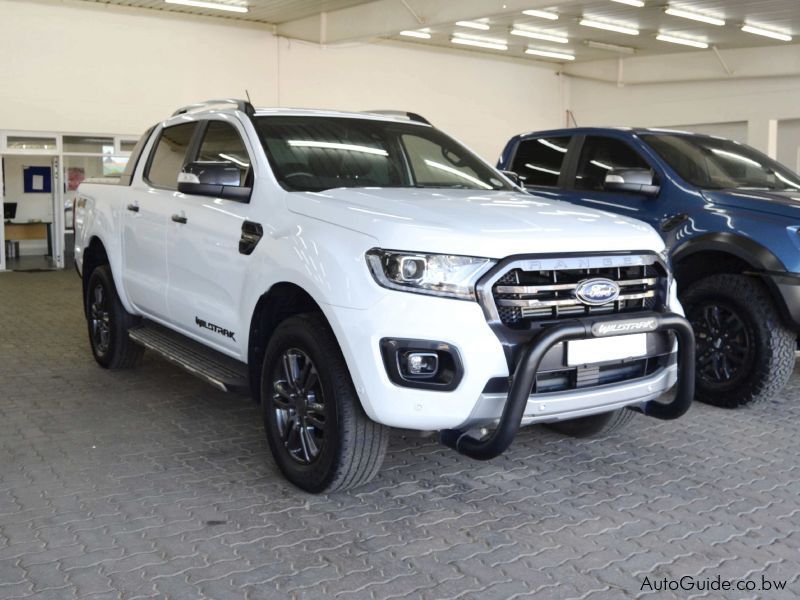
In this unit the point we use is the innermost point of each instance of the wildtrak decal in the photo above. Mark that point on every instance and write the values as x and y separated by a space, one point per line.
215 328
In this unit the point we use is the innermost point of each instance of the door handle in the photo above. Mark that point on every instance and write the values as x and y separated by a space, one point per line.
133 207
179 219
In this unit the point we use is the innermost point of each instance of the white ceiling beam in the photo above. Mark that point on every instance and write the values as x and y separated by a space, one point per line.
388 17
740 63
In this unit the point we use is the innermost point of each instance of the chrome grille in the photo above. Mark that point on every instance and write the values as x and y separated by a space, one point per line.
522 295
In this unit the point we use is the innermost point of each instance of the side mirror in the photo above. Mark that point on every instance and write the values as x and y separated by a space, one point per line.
514 177
222 179
638 181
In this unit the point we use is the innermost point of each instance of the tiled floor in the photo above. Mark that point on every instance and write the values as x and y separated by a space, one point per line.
151 484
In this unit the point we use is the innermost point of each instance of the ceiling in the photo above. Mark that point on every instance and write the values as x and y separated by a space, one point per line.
259 11
501 17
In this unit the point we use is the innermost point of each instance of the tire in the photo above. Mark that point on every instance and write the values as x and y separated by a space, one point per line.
593 424
745 354
109 322
318 433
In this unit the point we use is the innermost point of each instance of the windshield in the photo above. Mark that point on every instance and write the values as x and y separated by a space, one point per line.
312 154
713 163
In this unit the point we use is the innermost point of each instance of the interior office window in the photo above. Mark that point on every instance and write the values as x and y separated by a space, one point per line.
222 143
169 155
539 161
601 155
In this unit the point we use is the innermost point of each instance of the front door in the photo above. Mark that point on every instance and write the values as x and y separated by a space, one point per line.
598 156
146 218
206 269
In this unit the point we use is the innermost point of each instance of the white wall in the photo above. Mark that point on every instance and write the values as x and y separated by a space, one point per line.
88 67
67 66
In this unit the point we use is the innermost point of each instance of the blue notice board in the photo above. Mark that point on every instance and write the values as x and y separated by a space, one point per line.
37 180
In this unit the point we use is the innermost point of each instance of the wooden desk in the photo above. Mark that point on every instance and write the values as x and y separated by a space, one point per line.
18 232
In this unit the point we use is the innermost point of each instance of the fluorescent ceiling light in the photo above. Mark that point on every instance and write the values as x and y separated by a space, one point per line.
688 14
491 44
548 37
775 35
416 34
597 163
211 5
337 146
663 37
437 165
550 144
542 169
473 25
636 3
610 47
233 159
618 27
735 156
548 54
542 14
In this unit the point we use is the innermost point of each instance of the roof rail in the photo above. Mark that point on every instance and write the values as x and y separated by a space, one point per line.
242 105
400 113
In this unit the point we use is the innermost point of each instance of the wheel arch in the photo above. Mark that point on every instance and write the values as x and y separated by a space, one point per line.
721 253
283 300
95 255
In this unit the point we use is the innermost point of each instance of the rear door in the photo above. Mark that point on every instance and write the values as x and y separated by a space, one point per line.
146 218
595 156
540 163
206 268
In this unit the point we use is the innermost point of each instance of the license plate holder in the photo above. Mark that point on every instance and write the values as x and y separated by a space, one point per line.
599 350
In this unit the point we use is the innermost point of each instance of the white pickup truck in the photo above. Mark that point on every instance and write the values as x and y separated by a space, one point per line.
358 272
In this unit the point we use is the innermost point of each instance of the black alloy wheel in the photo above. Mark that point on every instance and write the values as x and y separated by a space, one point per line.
299 405
100 319
724 344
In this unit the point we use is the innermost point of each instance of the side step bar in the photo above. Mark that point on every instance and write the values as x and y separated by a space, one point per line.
221 371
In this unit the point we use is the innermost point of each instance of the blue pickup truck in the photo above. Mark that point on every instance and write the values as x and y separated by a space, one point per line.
730 217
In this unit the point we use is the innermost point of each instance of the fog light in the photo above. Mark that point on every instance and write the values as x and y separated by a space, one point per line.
422 364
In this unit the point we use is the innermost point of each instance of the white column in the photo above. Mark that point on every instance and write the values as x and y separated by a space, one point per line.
762 134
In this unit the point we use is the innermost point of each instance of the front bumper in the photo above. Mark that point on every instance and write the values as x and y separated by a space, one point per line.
463 326
527 367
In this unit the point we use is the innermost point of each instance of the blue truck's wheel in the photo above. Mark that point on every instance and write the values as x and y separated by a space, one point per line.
745 354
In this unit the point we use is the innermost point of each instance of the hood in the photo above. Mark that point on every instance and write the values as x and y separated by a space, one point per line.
493 224
784 204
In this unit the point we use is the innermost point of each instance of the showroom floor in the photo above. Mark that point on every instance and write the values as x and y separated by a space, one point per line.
149 483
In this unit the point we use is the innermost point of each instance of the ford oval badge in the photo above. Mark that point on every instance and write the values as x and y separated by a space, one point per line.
595 292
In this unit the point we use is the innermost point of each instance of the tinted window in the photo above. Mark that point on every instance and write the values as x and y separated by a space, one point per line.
223 144
320 153
169 155
715 163
600 156
538 161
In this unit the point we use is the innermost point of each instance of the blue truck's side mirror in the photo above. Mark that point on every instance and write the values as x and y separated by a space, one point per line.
638 181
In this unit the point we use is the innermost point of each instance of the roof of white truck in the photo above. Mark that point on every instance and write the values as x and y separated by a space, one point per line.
229 105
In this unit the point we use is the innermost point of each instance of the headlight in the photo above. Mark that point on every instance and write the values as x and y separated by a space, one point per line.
432 274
